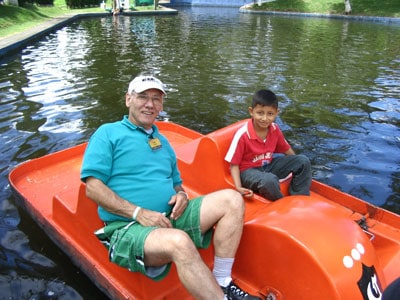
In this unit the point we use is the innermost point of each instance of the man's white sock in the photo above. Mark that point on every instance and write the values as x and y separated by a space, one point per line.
222 270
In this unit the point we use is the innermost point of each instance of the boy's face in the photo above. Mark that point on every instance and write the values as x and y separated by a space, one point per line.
263 116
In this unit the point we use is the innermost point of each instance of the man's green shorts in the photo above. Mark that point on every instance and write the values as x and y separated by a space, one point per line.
125 240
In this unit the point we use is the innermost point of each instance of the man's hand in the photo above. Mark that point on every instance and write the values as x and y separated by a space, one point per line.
179 202
153 218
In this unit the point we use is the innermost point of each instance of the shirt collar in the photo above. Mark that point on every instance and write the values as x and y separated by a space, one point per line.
128 123
251 132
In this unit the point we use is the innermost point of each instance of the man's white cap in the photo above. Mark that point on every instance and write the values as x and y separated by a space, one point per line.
143 83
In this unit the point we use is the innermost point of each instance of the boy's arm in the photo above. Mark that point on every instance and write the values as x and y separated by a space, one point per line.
290 152
235 172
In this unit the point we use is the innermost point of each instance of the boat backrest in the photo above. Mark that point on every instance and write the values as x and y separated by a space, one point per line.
72 204
202 162
223 138
200 165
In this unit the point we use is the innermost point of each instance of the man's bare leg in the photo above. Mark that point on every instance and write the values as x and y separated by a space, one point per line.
224 208
192 271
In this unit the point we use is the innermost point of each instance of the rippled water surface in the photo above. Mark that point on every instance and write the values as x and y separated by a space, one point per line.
338 82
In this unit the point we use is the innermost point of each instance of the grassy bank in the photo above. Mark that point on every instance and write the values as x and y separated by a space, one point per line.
16 19
379 8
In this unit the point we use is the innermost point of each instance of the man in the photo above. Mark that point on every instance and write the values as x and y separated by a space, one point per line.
131 172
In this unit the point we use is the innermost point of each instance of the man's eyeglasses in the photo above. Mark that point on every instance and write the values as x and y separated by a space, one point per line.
157 101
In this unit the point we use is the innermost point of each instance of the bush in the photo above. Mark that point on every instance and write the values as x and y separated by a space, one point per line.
44 2
144 2
82 3
22 3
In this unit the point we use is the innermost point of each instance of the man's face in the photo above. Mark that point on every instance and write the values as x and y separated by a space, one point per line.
144 107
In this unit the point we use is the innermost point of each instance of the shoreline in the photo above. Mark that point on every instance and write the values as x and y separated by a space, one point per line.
13 43
388 20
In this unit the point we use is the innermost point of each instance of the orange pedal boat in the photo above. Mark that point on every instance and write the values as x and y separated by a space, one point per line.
328 245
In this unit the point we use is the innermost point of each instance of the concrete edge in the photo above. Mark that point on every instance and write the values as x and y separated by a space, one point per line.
14 43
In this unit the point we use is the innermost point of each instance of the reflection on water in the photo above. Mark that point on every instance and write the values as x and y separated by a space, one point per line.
338 81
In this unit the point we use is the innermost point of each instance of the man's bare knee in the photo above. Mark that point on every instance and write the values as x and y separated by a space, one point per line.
168 243
234 200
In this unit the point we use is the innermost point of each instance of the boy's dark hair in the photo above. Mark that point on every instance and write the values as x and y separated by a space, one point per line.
265 98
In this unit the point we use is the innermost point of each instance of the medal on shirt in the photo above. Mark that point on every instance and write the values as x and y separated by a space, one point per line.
155 143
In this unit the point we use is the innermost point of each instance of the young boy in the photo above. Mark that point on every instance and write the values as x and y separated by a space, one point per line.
254 167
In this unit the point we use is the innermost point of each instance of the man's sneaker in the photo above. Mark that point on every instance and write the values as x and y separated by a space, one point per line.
233 292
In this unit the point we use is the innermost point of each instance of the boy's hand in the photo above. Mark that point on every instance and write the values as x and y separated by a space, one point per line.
245 192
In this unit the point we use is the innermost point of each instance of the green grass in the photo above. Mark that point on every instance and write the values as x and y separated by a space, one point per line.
381 8
16 19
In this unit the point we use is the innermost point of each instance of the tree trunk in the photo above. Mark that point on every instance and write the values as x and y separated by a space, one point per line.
347 7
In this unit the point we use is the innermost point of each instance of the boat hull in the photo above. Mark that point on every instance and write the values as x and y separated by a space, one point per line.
329 245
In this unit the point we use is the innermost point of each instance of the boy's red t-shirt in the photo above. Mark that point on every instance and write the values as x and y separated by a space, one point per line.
248 151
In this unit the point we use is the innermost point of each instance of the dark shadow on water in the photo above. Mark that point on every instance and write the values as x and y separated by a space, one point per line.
42 244
33 267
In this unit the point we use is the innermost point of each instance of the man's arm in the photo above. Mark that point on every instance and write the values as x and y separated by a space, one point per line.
110 201
106 198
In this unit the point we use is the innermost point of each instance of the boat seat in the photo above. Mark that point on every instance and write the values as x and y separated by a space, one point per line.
76 213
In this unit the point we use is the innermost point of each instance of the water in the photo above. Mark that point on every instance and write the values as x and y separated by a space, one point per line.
338 82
